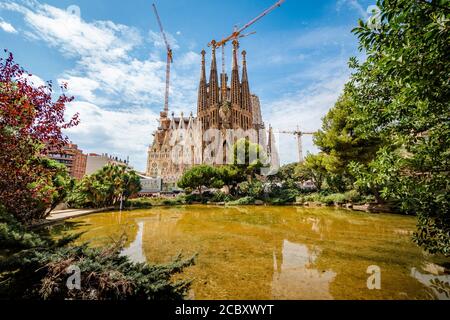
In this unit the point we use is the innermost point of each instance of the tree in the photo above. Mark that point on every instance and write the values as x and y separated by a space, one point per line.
106 187
342 145
231 176
31 124
248 157
200 176
402 94
313 168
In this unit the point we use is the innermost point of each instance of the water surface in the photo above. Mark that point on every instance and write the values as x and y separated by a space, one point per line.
276 252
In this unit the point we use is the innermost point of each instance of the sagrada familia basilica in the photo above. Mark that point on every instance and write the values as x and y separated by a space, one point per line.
225 113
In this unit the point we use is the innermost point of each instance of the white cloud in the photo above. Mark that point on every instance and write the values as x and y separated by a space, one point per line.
82 88
353 4
121 133
158 40
7 27
74 36
323 36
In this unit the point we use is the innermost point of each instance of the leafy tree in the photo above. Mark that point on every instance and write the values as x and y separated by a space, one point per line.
313 168
248 157
254 189
231 176
200 176
31 124
286 175
402 95
342 145
106 187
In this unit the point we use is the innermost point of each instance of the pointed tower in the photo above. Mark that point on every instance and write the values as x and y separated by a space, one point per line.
213 79
245 88
202 102
235 84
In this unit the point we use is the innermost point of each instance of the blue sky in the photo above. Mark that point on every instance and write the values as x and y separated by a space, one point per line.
113 59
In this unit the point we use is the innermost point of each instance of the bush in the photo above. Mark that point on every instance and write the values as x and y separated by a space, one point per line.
280 195
351 196
139 203
172 202
253 189
242 201
191 198
221 197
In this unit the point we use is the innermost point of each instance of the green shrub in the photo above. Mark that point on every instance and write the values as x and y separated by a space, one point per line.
352 196
172 202
253 189
221 197
242 201
139 203
191 198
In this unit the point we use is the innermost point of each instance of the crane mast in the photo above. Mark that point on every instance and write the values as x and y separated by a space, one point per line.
299 134
169 60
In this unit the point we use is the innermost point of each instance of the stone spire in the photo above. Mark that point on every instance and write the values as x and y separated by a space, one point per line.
213 78
245 88
235 84
202 102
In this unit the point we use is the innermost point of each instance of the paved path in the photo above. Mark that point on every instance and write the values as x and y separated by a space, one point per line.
60 215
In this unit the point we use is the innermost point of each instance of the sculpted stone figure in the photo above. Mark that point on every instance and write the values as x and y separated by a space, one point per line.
225 114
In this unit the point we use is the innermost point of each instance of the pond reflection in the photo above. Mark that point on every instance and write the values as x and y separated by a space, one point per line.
295 275
275 252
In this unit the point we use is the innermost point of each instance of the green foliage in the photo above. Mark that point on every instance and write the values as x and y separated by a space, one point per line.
254 189
12 236
248 157
105 187
138 203
231 176
314 169
172 202
31 125
242 201
200 176
401 95
339 140
351 196
221 197
280 196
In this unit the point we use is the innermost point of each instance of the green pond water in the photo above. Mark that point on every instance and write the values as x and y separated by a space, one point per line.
276 252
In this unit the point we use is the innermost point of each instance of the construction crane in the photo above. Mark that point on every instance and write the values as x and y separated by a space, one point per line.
299 134
237 33
169 61
223 48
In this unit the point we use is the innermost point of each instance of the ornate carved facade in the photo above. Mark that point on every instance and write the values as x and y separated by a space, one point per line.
220 106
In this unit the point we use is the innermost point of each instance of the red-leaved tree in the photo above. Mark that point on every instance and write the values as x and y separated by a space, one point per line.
31 124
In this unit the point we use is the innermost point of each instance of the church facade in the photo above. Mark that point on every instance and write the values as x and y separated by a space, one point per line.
225 113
